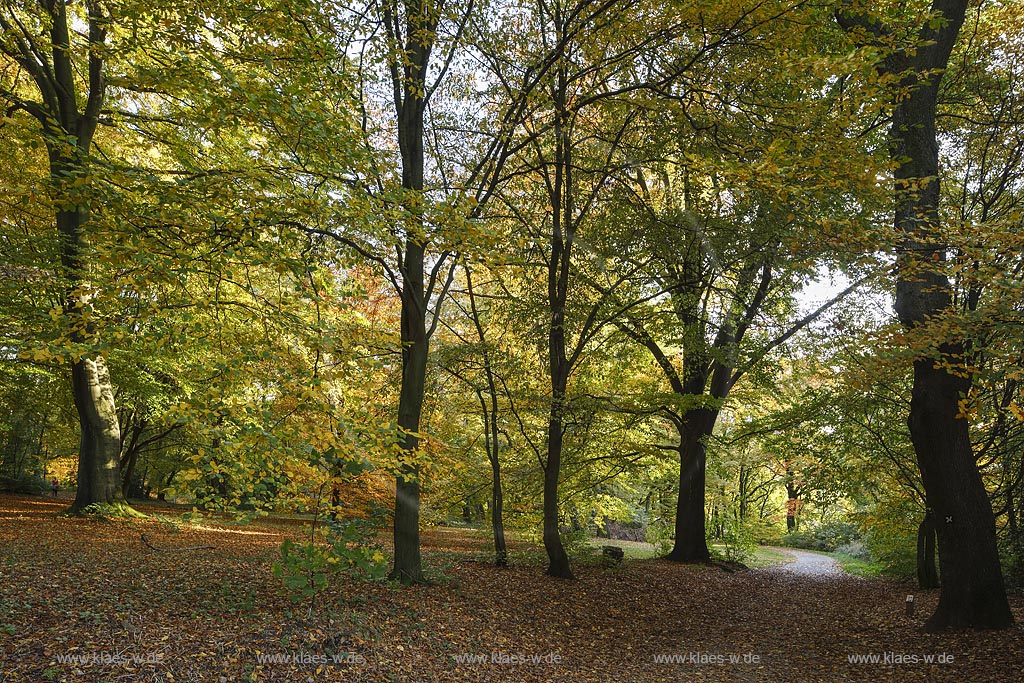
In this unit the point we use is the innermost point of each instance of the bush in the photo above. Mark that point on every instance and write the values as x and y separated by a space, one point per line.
831 535
25 483
661 535
576 543
765 533
825 537
738 539
893 548
1011 552
855 549
800 539
306 567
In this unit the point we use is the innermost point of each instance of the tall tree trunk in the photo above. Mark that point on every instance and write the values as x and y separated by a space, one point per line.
99 450
743 493
973 594
558 559
691 543
497 523
491 433
792 500
408 566
927 572
493 452
130 451
68 131
162 495
563 231
99 480
409 80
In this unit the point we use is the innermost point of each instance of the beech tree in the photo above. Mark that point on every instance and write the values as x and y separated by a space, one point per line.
972 593
42 41
729 218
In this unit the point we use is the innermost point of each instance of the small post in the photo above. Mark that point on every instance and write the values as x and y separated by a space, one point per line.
910 605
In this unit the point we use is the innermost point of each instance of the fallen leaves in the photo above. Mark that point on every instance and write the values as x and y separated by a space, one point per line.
85 600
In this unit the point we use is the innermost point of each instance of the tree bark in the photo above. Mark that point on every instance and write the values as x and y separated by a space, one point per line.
563 233
130 456
409 81
972 594
558 559
63 122
491 433
493 452
792 500
927 572
691 543
99 451
408 566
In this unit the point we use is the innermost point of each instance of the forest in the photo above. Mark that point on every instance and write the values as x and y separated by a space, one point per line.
436 299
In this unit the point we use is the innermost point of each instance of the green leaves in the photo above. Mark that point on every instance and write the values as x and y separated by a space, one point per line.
306 567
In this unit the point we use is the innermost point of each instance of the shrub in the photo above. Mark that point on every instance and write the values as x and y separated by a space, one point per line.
825 537
576 542
661 534
855 549
738 540
1011 552
831 535
893 548
765 533
305 567
25 483
800 539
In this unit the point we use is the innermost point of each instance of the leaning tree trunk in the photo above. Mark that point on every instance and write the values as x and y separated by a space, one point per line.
973 594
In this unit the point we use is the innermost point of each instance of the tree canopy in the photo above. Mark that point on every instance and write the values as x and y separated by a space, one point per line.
707 273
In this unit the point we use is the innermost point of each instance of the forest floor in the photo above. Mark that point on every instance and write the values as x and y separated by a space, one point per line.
86 600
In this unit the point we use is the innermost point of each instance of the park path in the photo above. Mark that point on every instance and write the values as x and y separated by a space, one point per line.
811 564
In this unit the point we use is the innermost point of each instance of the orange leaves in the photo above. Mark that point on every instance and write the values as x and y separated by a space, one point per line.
86 586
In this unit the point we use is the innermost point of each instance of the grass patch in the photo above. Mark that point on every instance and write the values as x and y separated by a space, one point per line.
858 566
765 557
632 550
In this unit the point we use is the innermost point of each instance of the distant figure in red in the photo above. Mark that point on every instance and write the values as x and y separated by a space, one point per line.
55 486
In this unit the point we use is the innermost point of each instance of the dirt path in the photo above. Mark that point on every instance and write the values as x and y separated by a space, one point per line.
811 564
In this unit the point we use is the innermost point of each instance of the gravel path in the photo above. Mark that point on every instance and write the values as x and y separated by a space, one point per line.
811 564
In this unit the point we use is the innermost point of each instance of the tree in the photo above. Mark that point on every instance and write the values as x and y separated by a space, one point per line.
478 355
973 594
732 245
41 39
570 151
429 224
